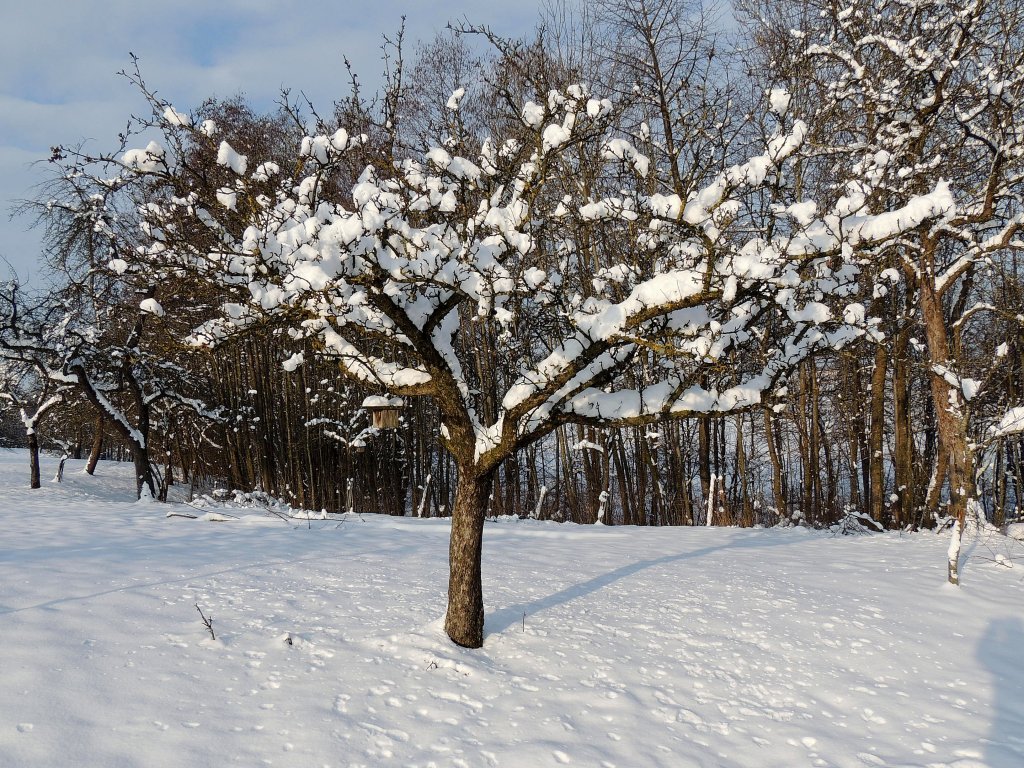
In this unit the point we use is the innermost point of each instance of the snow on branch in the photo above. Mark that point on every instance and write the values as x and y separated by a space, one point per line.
434 264
1011 423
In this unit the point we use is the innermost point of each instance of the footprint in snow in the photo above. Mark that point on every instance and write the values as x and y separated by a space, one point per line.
870 716
688 716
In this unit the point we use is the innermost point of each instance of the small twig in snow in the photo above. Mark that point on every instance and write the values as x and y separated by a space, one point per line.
207 622
1006 562
283 517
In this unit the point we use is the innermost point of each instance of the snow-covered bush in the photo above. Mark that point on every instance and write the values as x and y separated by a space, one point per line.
855 523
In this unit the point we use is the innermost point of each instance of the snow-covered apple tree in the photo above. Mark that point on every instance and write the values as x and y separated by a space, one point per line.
604 304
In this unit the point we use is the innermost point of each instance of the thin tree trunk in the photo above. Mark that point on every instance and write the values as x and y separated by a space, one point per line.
464 622
778 497
704 455
76 449
814 432
58 476
875 442
97 447
744 480
999 516
631 501
938 479
168 478
851 411
906 485
804 430
33 459
710 517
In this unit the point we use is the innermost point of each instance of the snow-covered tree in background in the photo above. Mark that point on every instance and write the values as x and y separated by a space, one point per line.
611 305
904 95
107 361
26 388
102 331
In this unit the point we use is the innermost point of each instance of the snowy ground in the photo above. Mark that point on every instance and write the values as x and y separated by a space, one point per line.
639 647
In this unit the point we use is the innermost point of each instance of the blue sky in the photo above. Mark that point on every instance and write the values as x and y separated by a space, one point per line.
59 58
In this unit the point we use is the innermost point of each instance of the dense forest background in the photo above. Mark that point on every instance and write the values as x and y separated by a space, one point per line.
103 364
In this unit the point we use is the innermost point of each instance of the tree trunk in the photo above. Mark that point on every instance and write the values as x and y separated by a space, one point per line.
851 412
778 497
464 622
137 437
744 480
999 513
143 470
58 476
76 449
97 447
904 459
168 478
33 459
803 435
704 455
877 434
951 422
934 493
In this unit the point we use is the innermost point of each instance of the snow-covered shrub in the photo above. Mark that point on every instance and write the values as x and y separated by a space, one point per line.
855 523
222 498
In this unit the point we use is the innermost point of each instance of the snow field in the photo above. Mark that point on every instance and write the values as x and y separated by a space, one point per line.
639 647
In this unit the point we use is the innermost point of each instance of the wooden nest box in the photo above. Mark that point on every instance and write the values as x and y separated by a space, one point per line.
383 410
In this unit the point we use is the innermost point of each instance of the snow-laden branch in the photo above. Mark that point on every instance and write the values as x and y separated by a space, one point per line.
410 282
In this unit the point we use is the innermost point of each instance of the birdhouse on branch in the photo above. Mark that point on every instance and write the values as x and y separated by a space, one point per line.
383 410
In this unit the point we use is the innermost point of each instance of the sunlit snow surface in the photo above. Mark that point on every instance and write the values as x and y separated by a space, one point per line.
657 647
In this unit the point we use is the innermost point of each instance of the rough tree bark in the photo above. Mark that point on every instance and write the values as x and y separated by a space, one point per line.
464 621
951 423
